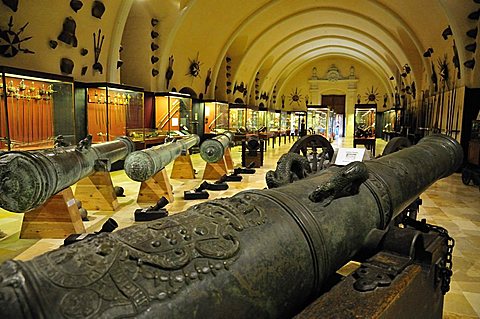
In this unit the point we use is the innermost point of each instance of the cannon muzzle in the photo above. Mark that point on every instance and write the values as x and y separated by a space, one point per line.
212 150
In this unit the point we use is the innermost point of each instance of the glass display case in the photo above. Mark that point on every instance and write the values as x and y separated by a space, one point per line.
475 130
262 120
174 114
112 110
319 120
364 122
273 122
252 120
216 117
35 107
392 121
285 121
333 126
237 115
364 126
298 122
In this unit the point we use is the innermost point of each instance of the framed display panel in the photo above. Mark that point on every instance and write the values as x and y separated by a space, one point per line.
112 110
392 121
216 117
35 107
237 116
173 113
364 120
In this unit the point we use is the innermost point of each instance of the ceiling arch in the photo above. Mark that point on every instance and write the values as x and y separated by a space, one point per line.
332 51
330 29
305 19
259 34
322 13
302 51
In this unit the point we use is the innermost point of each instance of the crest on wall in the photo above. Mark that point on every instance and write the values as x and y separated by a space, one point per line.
10 41
295 97
371 96
194 67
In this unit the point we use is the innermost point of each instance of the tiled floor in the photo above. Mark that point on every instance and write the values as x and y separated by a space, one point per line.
447 203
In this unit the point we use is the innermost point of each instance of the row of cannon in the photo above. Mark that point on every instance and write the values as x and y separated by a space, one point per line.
29 178
265 253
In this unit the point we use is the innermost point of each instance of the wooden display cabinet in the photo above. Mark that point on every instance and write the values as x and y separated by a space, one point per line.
392 123
237 116
364 126
35 107
319 120
216 117
112 110
174 114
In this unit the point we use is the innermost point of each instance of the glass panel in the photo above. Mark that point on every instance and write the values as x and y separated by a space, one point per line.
134 102
252 120
273 121
237 119
262 119
162 121
216 117
197 119
38 109
173 115
365 122
97 114
221 115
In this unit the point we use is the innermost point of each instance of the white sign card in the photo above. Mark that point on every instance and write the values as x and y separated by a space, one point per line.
347 155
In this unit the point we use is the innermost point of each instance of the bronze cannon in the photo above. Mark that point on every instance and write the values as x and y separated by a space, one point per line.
259 254
142 165
28 179
212 150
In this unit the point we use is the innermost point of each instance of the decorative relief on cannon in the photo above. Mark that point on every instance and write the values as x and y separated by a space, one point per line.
144 264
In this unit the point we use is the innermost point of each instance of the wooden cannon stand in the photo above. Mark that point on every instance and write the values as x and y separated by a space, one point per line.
155 188
220 168
183 167
58 217
96 192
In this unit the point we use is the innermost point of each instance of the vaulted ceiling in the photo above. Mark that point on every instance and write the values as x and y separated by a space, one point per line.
278 37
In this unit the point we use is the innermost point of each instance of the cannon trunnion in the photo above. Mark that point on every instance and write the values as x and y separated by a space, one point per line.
259 254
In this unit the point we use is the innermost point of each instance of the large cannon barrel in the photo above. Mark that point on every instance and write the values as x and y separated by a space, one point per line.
142 165
259 254
212 150
28 179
